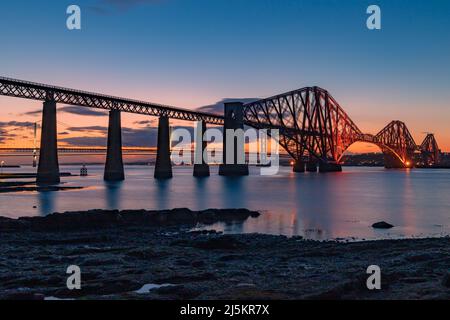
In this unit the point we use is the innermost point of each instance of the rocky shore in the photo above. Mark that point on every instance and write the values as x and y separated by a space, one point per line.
156 255
23 186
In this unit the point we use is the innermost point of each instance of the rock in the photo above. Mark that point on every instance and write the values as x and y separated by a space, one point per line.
179 291
182 262
419 257
382 225
414 280
99 219
203 232
143 253
231 257
25 296
244 284
198 264
219 243
446 280
187 278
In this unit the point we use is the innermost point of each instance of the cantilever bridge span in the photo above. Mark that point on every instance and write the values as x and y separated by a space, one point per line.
313 127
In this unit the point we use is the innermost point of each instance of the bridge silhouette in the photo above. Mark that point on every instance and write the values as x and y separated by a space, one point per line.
313 129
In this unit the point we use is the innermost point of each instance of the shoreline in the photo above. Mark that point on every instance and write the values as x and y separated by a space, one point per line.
138 254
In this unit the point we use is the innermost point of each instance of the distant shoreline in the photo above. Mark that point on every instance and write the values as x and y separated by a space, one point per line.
121 251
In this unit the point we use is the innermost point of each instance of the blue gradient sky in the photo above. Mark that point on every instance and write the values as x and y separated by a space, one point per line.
190 53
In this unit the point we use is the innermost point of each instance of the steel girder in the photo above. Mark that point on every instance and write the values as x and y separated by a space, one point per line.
310 121
36 91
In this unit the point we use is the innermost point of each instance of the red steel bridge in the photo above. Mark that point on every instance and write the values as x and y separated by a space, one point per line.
313 127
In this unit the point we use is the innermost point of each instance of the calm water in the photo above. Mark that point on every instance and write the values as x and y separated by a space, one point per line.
316 206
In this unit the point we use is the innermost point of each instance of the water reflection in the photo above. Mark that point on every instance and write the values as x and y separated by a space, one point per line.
317 206
162 195
46 202
113 194
233 192
201 188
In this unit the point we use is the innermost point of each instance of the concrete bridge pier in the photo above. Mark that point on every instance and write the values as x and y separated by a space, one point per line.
299 166
234 120
48 168
163 166
311 165
329 167
114 162
201 167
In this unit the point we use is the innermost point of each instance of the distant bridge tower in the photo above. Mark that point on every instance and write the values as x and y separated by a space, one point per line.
431 155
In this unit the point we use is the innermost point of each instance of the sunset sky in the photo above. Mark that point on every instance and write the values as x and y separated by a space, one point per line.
193 53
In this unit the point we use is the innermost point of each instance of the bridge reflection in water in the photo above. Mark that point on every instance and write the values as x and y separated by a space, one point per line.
314 130
316 206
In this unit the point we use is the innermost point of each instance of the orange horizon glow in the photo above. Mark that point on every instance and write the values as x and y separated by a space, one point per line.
13 109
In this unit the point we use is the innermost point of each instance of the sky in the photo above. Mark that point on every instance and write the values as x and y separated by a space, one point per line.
195 53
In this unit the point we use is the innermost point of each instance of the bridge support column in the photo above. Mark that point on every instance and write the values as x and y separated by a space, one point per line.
48 168
114 162
201 167
329 167
163 166
392 162
299 166
311 165
234 164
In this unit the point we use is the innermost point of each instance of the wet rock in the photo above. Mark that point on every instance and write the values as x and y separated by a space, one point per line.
215 266
55 281
231 257
182 262
203 232
101 287
198 264
117 286
179 291
419 257
102 262
244 284
23 294
382 225
95 219
446 280
170 289
143 254
219 243
240 274
414 280
179 278
72 241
